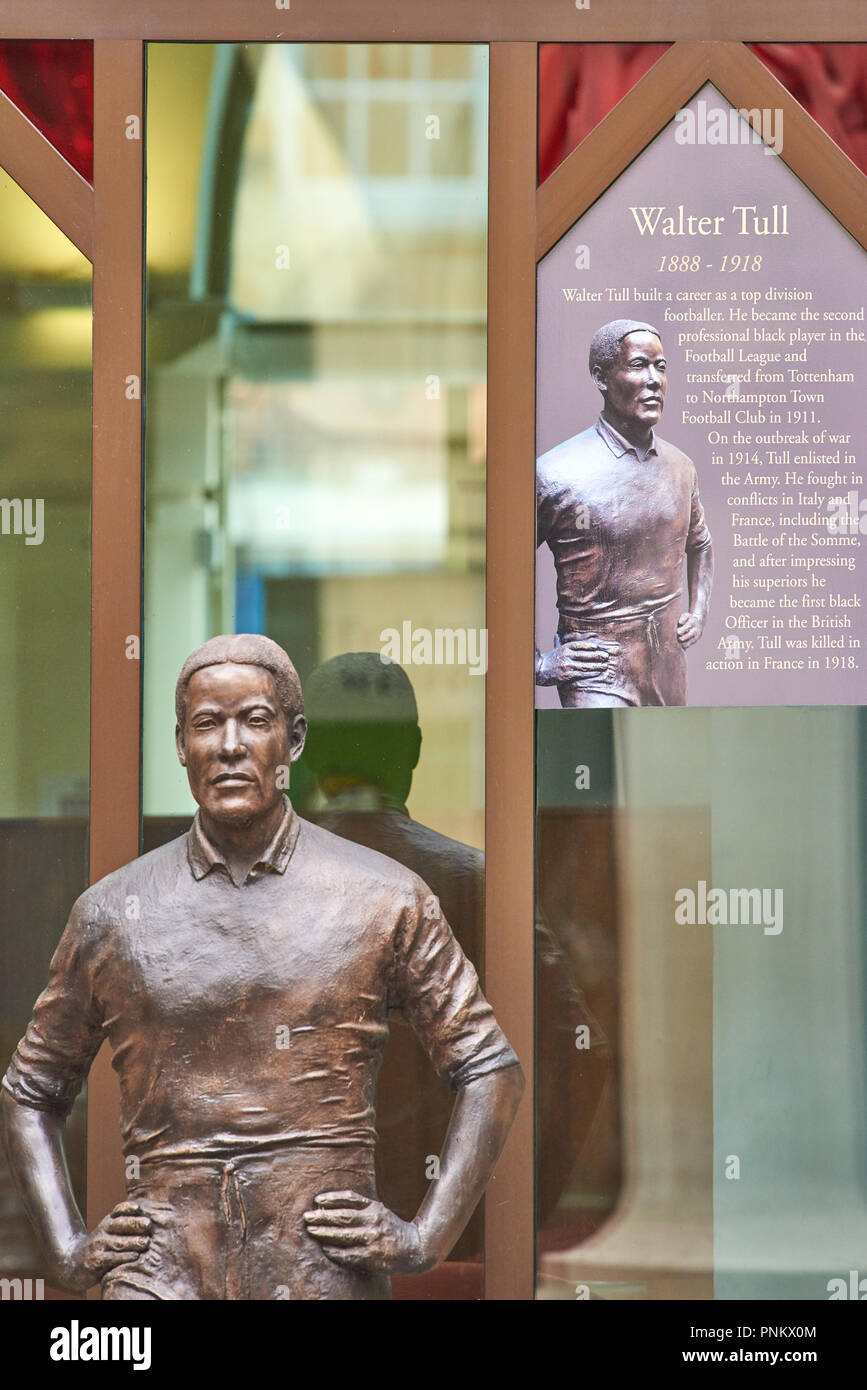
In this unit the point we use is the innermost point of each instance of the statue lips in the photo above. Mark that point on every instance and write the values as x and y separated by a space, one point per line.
234 788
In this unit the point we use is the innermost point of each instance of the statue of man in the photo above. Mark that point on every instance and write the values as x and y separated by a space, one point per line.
243 975
620 508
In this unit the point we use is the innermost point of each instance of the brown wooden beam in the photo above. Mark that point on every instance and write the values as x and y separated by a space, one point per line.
810 153
453 21
746 83
46 177
115 701
586 173
509 822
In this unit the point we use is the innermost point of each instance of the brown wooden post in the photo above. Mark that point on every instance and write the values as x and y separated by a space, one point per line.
115 729
449 21
510 551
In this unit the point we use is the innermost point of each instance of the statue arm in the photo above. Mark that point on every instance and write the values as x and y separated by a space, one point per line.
699 575
34 1144
362 1233
42 1080
699 572
438 991
37 1158
481 1119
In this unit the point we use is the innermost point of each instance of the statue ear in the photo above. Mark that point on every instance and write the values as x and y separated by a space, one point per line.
297 736
599 379
179 745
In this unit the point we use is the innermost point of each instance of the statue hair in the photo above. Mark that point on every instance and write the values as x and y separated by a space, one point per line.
244 649
606 342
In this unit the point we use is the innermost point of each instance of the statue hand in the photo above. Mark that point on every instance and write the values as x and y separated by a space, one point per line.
689 629
361 1233
574 658
121 1236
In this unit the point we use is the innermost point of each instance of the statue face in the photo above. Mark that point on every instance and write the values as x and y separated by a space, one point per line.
235 741
635 384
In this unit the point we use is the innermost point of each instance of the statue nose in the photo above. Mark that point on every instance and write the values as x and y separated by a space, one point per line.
232 740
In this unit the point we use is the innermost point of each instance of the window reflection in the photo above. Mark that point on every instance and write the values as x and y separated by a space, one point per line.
356 778
720 1162
45 433
315 451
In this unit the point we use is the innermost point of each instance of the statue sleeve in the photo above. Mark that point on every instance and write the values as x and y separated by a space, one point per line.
546 501
698 536
65 1031
437 989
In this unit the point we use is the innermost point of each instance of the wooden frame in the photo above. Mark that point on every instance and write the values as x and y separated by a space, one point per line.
106 224
116 543
509 754
449 21
52 183
745 82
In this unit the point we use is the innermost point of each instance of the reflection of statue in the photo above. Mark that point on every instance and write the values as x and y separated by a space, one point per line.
243 975
362 749
619 509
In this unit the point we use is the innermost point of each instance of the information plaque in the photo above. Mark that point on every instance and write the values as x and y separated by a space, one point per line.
730 387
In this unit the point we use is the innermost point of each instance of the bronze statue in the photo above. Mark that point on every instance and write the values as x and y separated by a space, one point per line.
243 975
619 508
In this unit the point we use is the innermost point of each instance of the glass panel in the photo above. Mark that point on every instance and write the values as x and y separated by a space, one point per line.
626 1047
450 60
325 59
708 1157
316 461
386 139
390 59
45 437
790 1004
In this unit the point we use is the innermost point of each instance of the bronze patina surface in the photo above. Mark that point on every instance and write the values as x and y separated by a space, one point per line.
619 508
243 975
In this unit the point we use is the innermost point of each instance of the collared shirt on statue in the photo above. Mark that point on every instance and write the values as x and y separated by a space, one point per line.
250 1018
618 524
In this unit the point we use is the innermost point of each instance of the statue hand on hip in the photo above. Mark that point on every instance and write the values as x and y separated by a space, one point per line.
363 1234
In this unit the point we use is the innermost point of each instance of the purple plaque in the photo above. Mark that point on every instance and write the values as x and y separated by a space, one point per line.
719 425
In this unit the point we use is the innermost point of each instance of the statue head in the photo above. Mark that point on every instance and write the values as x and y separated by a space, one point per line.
240 724
627 363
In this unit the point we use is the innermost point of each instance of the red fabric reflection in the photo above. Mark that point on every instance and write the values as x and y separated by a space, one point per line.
52 83
830 81
580 83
